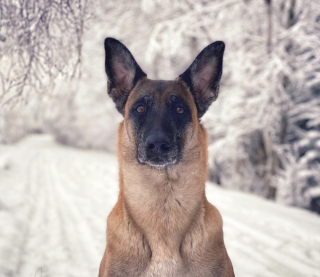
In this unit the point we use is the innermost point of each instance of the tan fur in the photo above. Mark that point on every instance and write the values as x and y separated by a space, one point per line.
162 224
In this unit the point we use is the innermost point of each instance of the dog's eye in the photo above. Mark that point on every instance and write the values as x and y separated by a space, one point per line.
179 110
141 109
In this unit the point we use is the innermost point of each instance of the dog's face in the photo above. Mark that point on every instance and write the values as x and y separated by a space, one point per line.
161 115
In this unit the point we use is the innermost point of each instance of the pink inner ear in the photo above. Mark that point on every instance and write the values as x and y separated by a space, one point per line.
124 81
203 78
124 77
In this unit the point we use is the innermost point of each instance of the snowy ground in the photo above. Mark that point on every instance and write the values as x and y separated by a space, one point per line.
54 202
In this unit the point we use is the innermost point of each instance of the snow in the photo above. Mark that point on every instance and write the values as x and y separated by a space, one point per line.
54 201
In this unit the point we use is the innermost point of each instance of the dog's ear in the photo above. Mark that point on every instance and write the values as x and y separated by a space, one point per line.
122 70
204 74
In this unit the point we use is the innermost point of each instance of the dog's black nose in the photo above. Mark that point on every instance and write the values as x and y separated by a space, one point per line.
158 143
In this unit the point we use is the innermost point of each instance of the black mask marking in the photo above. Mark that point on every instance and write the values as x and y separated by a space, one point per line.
159 130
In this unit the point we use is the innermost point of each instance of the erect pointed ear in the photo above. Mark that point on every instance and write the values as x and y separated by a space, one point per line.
122 70
204 74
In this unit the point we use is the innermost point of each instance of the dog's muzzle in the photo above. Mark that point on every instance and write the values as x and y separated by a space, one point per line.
157 151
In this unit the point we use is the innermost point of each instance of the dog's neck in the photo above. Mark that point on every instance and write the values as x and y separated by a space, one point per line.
164 203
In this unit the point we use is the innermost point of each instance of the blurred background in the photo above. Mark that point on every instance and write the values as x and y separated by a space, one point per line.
58 125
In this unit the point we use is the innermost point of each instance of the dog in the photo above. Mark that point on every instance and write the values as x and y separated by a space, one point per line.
162 224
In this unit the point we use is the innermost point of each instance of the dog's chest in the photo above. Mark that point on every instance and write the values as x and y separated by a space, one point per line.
174 268
160 269
167 261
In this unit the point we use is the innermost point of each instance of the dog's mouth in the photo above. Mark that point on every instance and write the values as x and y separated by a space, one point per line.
160 163
157 161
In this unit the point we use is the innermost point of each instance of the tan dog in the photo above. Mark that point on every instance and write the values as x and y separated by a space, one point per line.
162 224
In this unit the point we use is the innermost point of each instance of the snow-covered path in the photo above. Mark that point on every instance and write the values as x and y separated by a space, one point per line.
54 202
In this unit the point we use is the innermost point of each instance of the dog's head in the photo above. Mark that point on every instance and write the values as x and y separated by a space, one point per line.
160 117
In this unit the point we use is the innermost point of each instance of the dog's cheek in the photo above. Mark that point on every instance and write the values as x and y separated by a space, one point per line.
128 140
190 147
137 142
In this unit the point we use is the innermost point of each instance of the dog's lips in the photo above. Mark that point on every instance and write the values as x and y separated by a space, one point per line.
158 162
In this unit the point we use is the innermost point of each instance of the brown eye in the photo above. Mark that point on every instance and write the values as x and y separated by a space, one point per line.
179 110
141 109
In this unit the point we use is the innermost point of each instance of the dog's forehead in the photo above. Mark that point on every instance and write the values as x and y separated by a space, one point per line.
160 91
